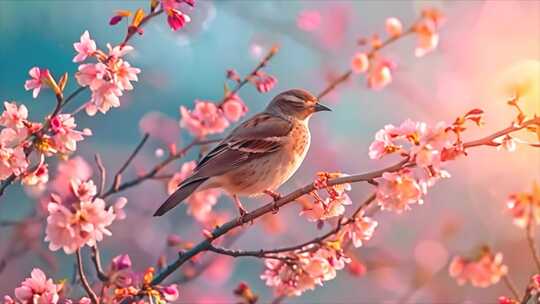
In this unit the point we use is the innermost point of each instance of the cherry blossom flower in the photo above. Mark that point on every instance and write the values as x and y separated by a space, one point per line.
360 230
84 191
177 19
525 207
12 158
304 270
205 119
485 270
507 143
360 63
331 206
65 136
379 75
234 108
264 82
394 27
37 289
84 224
308 20
85 48
121 262
39 176
13 116
73 168
107 78
397 190
426 30
170 293
39 77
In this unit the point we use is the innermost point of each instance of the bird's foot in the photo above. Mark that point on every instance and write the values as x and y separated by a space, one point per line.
241 210
276 197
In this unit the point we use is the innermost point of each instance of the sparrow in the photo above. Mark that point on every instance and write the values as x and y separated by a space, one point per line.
259 155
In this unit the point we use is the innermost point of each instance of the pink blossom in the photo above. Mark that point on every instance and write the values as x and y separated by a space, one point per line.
125 74
170 293
360 230
74 168
84 191
104 97
525 207
118 208
484 271
305 270
506 142
38 78
205 119
177 19
65 136
85 48
428 39
38 289
394 27
121 262
86 223
308 20
506 300
91 74
13 116
360 63
327 208
12 159
397 190
380 75
234 108
39 176
264 82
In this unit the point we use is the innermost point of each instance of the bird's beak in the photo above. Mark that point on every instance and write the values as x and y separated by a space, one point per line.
320 107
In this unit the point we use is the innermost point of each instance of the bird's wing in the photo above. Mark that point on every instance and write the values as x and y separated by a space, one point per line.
262 134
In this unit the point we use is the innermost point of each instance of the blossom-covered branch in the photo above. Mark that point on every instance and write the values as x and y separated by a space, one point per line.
459 148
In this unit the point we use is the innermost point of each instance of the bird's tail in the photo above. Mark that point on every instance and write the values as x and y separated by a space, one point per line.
179 195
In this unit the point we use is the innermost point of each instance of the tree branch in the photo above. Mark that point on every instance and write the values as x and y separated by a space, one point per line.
118 176
206 244
84 280
96 259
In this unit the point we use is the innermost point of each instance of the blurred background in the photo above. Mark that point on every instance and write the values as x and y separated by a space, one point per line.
486 48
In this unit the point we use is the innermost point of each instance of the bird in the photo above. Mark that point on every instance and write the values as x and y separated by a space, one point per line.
257 156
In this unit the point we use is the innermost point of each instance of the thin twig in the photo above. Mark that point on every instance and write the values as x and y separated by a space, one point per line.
273 51
84 280
157 168
102 174
96 259
118 175
508 282
347 74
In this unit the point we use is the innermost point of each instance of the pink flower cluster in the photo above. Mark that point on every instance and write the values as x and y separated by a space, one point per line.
427 147
525 207
82 223
200 203
485 270
361 229
293 273
333 204
176 18
108 77
378 68
36 289
397 190
15 136
208 118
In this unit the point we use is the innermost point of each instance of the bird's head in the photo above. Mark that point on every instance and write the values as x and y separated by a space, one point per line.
296 103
